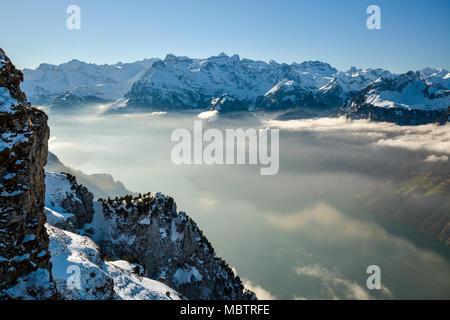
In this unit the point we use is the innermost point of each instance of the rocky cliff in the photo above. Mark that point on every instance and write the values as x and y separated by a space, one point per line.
230 84
145 231
169 244
24 257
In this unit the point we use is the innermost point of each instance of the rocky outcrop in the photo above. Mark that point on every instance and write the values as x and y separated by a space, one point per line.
146 230
24 257
170 246
68 205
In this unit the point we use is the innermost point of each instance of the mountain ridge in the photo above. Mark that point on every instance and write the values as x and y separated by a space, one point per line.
180 83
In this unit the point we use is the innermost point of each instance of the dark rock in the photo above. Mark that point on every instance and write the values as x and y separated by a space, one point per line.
24 257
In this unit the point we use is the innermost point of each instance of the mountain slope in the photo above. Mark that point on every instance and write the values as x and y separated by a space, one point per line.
76 81
406 99
148 231
184 83
102 185
168 244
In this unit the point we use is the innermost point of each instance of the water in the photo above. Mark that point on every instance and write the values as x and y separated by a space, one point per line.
298 234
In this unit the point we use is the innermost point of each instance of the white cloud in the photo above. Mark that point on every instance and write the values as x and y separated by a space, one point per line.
324 223
434 158
336 286
261 293
145 114
210 115
53 144
431 137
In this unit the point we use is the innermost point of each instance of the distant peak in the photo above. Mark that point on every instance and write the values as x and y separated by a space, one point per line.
222 54
170 57
235 57
76 61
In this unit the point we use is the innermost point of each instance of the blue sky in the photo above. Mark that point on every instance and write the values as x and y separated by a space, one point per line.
414 34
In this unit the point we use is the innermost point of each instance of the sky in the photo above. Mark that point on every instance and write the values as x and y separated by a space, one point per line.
414 33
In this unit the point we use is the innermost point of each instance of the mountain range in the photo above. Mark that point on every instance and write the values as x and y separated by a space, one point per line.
231 84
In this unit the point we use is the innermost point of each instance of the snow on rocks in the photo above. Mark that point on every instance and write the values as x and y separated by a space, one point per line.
81 274
129 285
170 246
24 273
67 204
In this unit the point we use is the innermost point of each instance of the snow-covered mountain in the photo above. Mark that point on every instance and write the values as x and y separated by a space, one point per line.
230 84
411 98
181 82
76 81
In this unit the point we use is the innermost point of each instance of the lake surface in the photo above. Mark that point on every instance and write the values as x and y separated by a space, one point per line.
295 235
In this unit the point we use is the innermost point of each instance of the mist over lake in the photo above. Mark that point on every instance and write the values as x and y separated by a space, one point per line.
301 233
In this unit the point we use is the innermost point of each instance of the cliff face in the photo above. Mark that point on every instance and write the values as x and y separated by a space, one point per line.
24 257
146 231
169 244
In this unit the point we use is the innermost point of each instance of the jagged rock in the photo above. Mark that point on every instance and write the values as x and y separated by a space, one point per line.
146 230
81 274
168 244
68 205
445 118
24 258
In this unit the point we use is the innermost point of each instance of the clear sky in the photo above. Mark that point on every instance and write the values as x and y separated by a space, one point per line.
414 34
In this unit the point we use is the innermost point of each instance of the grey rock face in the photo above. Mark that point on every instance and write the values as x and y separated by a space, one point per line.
24 257
171 247
72 201
83 210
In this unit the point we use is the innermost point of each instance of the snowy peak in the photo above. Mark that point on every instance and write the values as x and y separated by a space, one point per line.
411 98
180 82
108 82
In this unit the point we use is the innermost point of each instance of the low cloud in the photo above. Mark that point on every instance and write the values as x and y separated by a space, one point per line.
324 223
434 158
261 293
429 137
336 286
210 115
54 144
